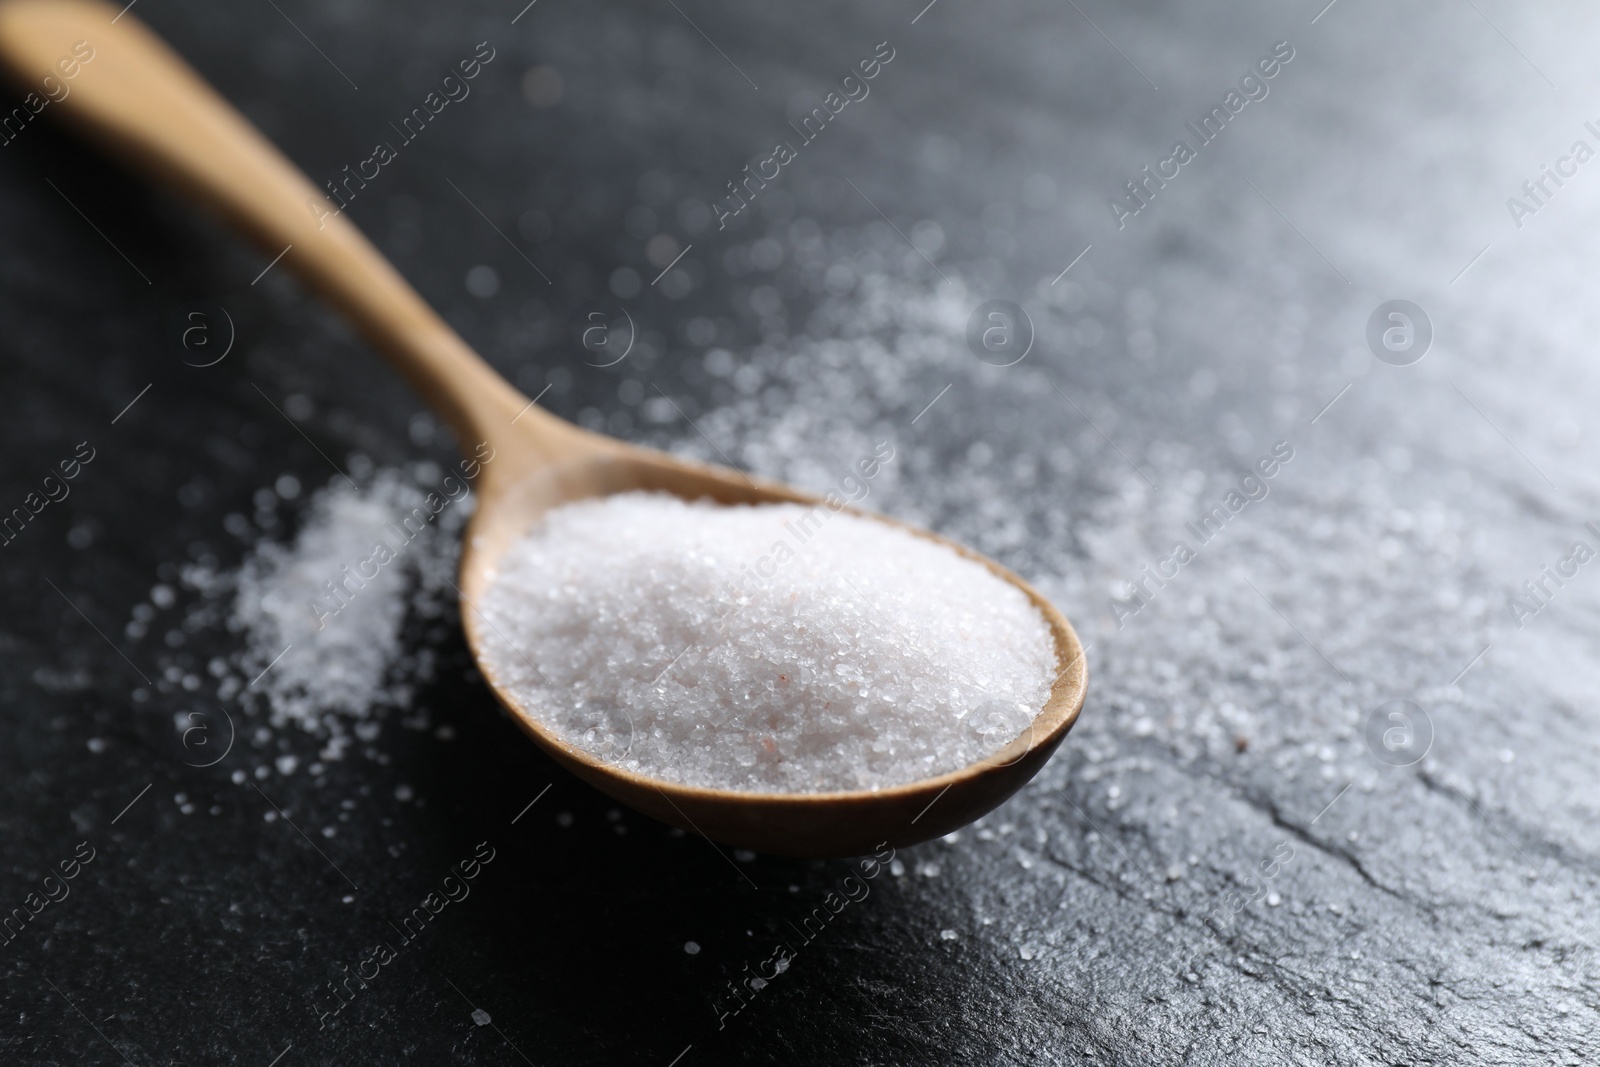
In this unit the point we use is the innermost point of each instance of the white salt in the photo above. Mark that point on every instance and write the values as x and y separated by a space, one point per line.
323 616
762 648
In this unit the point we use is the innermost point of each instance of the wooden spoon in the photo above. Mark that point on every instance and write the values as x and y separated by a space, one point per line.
141 100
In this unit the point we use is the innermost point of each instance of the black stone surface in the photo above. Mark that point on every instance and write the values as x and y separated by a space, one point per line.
1116 913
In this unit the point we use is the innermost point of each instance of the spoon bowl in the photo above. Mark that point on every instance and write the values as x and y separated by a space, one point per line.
144 103
798 824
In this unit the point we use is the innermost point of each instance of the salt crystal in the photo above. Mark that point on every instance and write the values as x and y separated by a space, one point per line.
323 615
763 648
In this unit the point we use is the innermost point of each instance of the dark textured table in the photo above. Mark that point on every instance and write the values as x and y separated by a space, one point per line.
1332 797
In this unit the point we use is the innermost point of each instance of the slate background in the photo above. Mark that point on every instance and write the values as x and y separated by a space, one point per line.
1437 913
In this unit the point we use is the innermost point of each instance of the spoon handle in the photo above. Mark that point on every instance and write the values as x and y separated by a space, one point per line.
138 98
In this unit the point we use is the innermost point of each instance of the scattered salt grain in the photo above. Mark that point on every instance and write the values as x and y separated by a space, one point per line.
774 647
323 616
